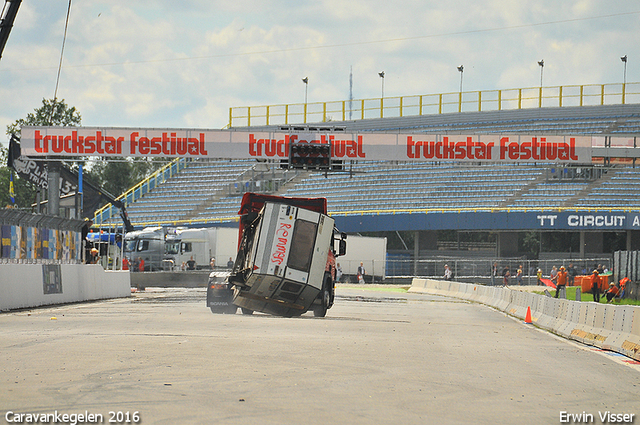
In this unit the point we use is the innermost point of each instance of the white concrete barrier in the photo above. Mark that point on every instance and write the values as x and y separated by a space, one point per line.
607 326
33 285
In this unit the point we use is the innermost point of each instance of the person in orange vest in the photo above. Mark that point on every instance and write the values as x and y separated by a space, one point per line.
623 287
612 292
561 281
595 286
140 264
125 264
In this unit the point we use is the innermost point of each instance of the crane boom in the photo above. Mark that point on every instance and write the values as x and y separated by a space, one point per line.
9 12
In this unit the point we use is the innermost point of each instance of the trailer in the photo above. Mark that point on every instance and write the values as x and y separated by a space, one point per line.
203 244
163 248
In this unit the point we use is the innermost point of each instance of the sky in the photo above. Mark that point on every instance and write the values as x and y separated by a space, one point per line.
169 64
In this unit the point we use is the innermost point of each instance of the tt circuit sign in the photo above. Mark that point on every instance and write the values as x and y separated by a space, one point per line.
589 221
138 142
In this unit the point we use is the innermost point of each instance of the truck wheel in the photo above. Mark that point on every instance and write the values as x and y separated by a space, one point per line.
246 310
321 310
224 310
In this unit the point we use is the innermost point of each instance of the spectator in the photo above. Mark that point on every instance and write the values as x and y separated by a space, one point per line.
561 281
93 257
125 264
494 273
212 263
361 273
612 292
595 286
539 276
506 274
553 274
447 272
338 272
571 275
519 276
191 264
140 264
230 263
623 287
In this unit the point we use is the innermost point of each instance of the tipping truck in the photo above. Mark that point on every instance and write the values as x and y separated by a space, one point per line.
286 260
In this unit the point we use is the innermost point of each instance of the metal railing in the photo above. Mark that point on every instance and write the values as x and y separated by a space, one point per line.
479 269
479 209
140 189
428 104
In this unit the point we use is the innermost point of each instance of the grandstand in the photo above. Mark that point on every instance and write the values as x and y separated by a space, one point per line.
207 192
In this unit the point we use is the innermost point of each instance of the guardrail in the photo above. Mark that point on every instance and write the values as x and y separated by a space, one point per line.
428 104
607 326
136 192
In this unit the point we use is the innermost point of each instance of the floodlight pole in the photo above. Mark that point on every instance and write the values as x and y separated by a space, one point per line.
541 63
461 70
624 78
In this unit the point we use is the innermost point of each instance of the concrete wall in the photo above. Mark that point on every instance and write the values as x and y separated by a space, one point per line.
607 326
33 285
181 279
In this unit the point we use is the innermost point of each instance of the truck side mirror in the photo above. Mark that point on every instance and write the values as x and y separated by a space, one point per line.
343 247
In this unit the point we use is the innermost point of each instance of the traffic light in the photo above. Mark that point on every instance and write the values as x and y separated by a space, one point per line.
310 156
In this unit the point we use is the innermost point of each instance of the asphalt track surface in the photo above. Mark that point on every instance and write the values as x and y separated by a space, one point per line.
379 357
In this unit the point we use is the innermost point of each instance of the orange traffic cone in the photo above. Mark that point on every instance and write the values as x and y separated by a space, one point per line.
527 318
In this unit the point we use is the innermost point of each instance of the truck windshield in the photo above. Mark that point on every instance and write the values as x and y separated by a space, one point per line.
304 236
172 248
130 245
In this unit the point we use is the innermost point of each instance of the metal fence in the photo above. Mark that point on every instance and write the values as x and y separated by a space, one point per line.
479 269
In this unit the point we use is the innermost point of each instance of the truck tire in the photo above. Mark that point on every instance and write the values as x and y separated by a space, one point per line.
224 310
325 298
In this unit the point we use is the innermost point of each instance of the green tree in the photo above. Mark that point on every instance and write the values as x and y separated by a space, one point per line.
52 112
530 243
118 175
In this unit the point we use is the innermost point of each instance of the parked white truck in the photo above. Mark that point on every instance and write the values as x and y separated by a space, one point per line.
164 248
201 244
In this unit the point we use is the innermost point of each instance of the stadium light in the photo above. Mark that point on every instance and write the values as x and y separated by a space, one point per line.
541 63
305 80
461 70
624 78
381 74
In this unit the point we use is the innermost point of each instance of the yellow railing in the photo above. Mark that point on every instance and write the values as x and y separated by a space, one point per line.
480 209
393 107
136 192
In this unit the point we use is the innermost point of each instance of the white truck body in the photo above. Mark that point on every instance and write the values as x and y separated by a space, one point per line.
165 249
203 244
287 260
371 251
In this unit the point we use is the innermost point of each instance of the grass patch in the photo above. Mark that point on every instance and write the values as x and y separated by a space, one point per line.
400 289
571 295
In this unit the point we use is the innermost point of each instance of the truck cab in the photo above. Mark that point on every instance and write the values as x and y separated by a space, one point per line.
147 244
286 256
